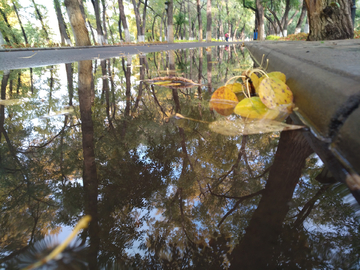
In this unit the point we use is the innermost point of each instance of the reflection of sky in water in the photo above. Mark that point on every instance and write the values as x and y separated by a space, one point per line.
214 160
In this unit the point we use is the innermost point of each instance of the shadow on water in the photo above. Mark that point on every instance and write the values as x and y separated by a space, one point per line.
164 193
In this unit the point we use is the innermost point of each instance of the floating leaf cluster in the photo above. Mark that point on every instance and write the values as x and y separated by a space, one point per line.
172 82
262 100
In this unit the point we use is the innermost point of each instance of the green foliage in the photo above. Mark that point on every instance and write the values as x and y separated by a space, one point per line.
272 37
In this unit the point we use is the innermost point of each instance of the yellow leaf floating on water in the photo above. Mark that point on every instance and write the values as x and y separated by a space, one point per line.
276 95
255 80
161 83
236 87
243 126
172 82
278 75
254 108
223 101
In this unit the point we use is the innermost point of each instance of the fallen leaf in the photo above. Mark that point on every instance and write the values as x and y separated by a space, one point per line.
177 82
243 126
254 108
223 100
278 75
275 94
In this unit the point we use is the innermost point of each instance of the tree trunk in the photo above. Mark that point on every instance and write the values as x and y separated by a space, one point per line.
22 28
62 26
41 21
242 35
221 26
198 7
301 19
208 21
260 19
329 21
191 35
4 83
144 21
170 28
70 84
138 21
104 22
111 32
77 22
99 30
285 18
123 20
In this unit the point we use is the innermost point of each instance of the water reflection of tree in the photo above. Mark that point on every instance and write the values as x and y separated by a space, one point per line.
217 195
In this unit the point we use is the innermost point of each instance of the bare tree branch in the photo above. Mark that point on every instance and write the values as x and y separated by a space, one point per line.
238 203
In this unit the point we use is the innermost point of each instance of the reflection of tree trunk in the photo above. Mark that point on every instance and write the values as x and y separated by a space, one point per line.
4 83
127 72
105 88
51 86
112 84
140 89
200 71
90 180
209 67
69 75
255 249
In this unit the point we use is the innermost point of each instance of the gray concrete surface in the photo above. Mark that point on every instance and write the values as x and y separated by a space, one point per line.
25 58
325 79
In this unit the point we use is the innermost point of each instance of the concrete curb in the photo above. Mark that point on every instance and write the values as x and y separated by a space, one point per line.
215 43
325 80
26 58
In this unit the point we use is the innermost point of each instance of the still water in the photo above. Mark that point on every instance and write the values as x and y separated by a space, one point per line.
91 138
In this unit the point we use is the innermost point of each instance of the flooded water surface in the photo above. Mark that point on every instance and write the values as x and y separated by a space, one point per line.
100 138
